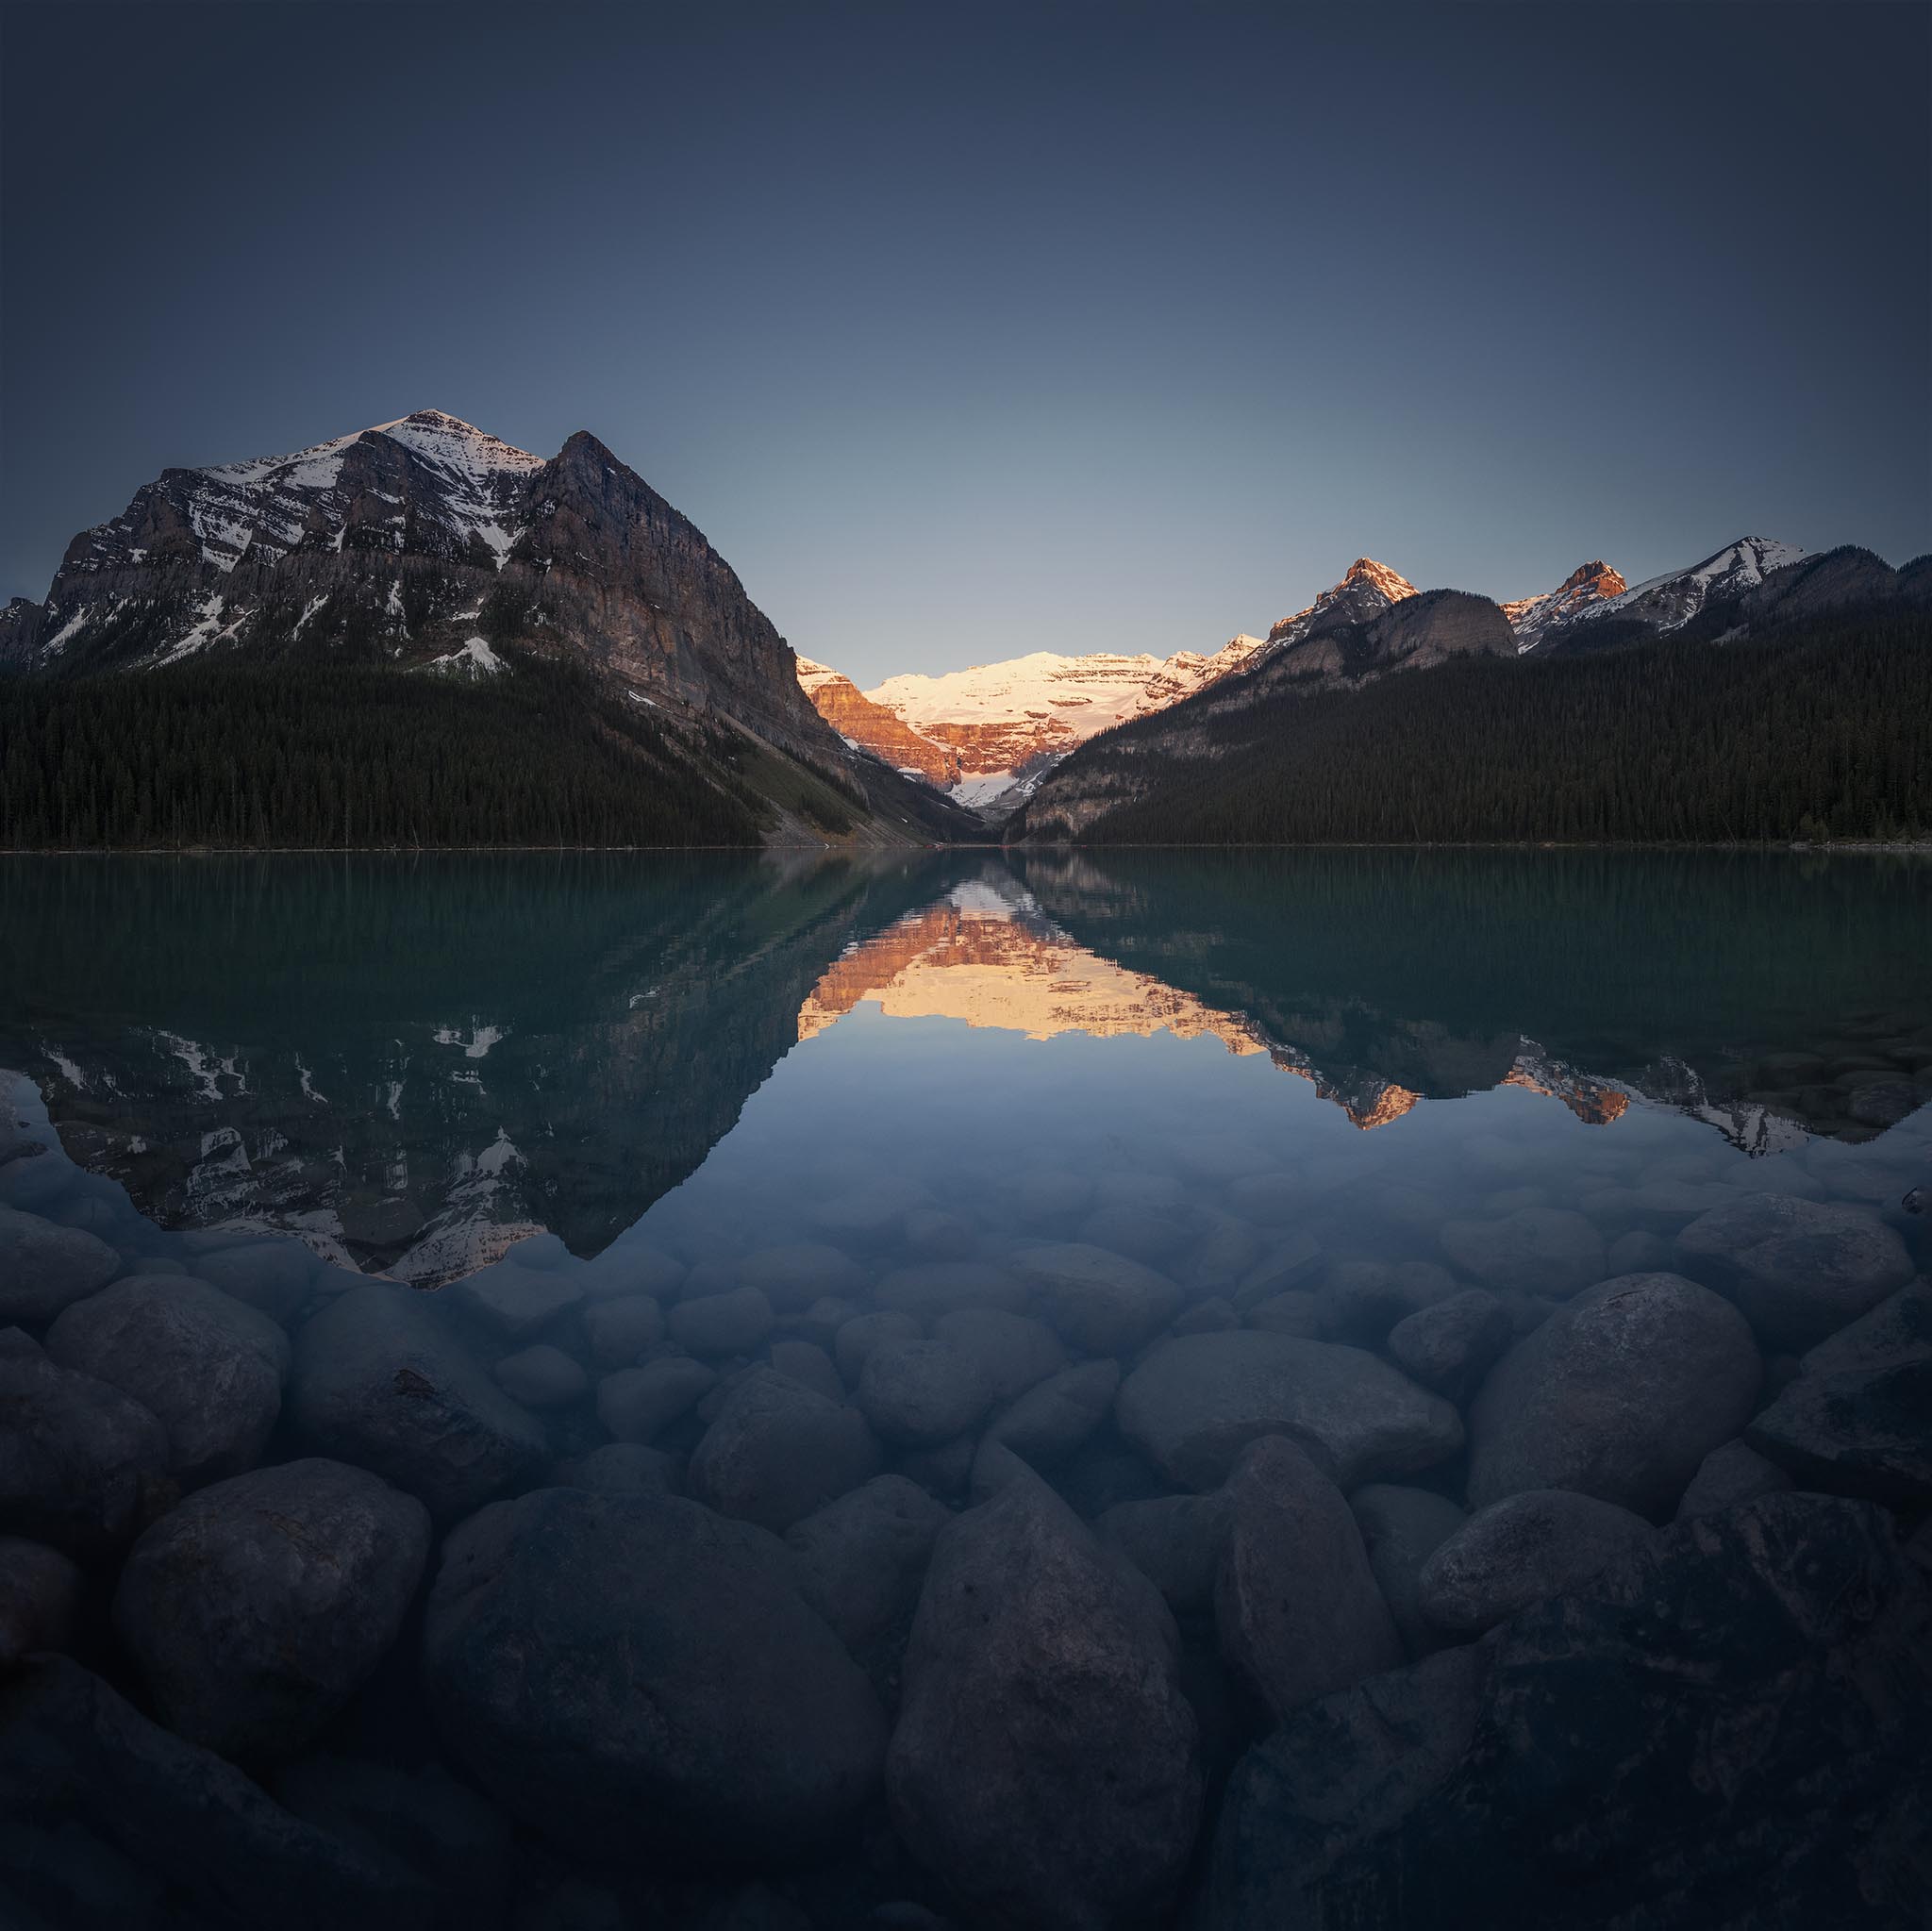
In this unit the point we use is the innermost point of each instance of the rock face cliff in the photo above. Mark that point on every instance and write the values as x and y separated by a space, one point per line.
427 544
989 734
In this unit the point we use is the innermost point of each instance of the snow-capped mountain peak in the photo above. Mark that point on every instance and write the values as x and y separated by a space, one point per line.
1366 589
1670 600
1533 618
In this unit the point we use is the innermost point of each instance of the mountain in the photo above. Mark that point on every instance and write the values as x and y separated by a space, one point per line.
1515 739
1661 604
1366 589
870 726
427 545
1534 618
986 734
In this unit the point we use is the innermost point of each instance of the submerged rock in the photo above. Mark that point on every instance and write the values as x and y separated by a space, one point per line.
620 1328
1729 1474
1452 1345
1048 1422
860 1559
728 1324
257 1609
1174 1542
1797 1269
39 1597
1297 1605
919 1393
382 1380
105 1811
275 1277
642 1681
1619 1395
1013 1351
1855 1431
1045 1763
542 1377
1401 1529
1520 1550
1536 1250
1196 1401
208 1367
44 1266
778 1452
1650 1749
79 1462
1097 1300
638 1404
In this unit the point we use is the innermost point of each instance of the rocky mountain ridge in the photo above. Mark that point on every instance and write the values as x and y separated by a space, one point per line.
425 544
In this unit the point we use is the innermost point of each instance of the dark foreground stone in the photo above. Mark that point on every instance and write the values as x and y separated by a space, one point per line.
1045 1764
1727 1730
257 1609
111 1821
641 1679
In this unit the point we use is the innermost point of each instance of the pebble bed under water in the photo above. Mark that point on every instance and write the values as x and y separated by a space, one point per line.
1026 1475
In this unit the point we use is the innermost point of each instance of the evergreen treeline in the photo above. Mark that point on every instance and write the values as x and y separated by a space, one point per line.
328 754
1827 734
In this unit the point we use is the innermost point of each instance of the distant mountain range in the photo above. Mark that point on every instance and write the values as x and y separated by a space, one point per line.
992 736
427 546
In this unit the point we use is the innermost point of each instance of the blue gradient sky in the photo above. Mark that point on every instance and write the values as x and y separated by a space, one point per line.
964 331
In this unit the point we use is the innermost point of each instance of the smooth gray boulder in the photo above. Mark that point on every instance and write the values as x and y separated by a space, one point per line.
542 1377
792 1276
40 1598
273 1276
638 1404
870 1213
1538 1543
620 1328
860 1559
1725 1729
1453 1344
1174 1542
512 1302
256 1610
1536 1250
1621 1395
1100 1301
208 1367
1731 1473
1361 1300
81 1463
1014 1352
1196 1401
919 1393
719 1324
777 1452
1049 1421
641 1680
99 1799
937 1287
856 1338
1798 1269
809 1366
1898 1328
626 1468
1401 1529
1296 1605
1855 1431
44 1266
1045 1765
383 1381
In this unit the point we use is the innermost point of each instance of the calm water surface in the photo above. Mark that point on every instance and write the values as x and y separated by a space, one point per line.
414 1064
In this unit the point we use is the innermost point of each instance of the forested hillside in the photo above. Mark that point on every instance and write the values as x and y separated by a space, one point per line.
317 755
1820 732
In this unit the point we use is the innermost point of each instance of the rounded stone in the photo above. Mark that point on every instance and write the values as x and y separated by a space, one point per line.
778 1452
919 1393
1621 1395
638 1404
542 1377
1536 1250
638 1679
793 1278
257 1609
721 1325
1540 1542
208 1369
1196 1401
1098 1301
45 1267
1797 1269
620 1329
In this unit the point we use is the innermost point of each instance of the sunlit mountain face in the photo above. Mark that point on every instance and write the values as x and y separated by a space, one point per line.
413 1065
986 955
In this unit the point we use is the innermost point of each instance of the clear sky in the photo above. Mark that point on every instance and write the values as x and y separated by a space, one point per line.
965 331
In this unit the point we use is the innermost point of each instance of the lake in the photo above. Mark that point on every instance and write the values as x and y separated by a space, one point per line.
966 1220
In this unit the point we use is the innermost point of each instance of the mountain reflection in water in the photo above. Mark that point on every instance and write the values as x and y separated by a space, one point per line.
414 1062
